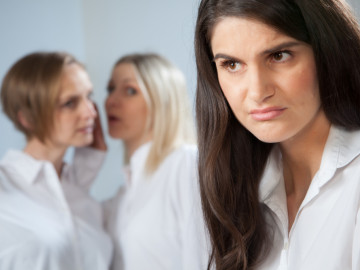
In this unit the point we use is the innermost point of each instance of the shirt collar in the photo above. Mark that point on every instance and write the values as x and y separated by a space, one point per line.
23 165
140 153
341 147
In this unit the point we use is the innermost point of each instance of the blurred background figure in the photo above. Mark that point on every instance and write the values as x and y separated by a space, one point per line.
153 217
47 219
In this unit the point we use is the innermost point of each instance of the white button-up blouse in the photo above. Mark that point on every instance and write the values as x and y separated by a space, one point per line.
50 224
156 221
326 230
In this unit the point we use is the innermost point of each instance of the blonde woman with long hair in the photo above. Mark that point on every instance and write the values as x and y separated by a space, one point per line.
153 217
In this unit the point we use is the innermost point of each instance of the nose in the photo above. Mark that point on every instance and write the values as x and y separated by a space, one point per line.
260 85
89 109
113 99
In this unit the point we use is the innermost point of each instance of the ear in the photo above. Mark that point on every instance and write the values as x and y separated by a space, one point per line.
23 121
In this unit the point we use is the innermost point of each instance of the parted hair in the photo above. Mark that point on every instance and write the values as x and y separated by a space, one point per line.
164 88
231 159
31 87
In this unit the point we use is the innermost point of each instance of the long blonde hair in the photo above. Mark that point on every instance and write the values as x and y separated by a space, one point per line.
170 119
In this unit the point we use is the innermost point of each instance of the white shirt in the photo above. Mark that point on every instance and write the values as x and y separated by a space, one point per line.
326 231
48 224
156 221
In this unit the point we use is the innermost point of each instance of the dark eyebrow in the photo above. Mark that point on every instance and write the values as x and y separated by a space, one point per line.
224 56
268 51
281 47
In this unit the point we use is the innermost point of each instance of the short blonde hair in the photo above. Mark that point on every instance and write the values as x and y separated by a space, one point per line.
170 117
32 87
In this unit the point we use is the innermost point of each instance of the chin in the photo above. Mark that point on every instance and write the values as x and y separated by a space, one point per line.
272 132
84 142
270 137
115 135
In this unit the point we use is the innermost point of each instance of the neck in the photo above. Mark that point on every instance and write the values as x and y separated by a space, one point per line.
44 151
132 145
301 160
302 154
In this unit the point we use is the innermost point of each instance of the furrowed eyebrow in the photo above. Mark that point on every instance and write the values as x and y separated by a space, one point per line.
267 51
281 47
224 56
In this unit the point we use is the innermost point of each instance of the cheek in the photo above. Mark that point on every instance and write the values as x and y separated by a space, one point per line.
232 92
226 87
65 121
143 114
136 113
107 102
303 87
58 121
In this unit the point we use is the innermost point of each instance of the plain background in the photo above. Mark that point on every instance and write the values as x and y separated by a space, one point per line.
98 33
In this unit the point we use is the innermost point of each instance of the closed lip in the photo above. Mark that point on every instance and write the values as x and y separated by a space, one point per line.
87 129
266 114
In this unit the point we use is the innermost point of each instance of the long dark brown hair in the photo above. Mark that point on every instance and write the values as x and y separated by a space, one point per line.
231 159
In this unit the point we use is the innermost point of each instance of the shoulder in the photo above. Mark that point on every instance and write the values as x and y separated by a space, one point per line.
11 166
181 165
183 159
5 184
185 151
345 144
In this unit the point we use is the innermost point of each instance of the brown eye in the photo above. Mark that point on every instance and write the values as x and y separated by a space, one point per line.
281 56
278 56
231 65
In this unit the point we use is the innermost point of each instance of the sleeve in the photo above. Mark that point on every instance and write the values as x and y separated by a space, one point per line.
3 183
356 244
194 237
195 246
108 209
85 167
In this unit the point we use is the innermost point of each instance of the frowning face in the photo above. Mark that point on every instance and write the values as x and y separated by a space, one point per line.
268 78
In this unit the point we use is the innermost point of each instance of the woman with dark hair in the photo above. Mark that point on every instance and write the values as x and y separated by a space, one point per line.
278 118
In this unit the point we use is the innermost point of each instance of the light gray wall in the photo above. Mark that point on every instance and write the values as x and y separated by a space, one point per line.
356 6
27 26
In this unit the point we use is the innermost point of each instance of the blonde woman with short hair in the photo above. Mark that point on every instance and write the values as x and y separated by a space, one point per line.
47 219
153 216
